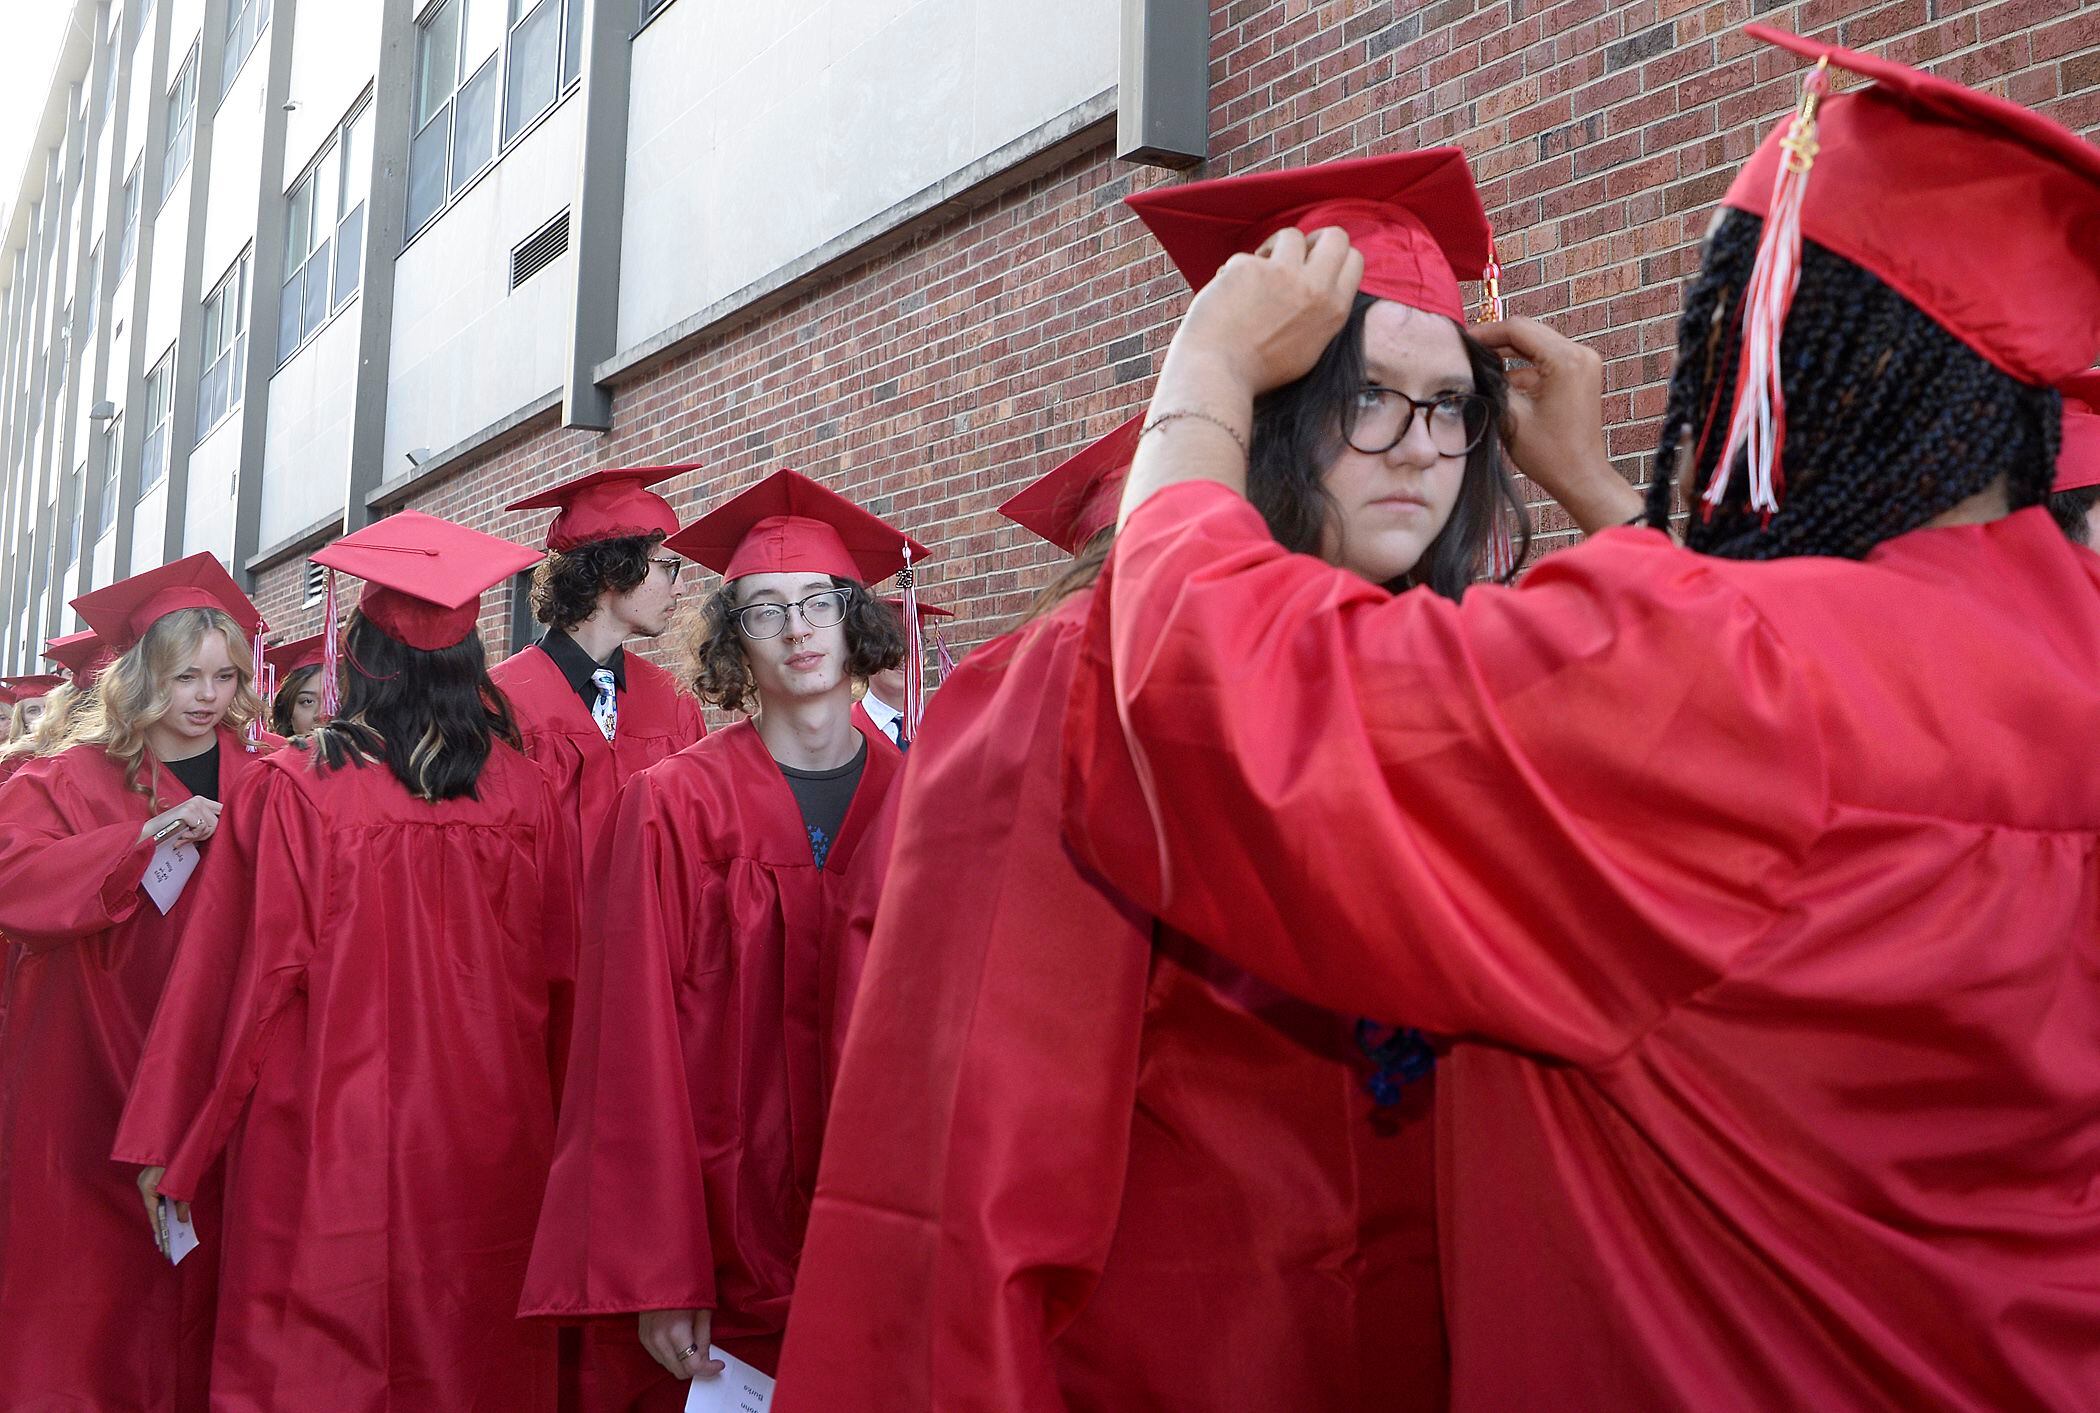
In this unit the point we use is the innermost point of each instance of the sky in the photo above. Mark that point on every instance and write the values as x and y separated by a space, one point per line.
29 36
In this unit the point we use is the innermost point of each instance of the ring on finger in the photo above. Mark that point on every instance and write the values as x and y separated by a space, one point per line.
689 1351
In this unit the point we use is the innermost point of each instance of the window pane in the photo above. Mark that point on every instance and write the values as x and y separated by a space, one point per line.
474 126
349 255
239 381
288 308
152 460
316 291
532 81
426 170
572 41
357 158
483 32
437 61
327 184
299 223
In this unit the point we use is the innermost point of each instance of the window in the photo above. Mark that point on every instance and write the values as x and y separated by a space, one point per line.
472 58
62 351
109 76
650 10
225 351
69 518
153 456
128 235
182 123
104 505
245 20
145 14
324 234
94 284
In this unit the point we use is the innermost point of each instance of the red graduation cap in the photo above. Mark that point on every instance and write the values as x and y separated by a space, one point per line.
1415 216
1984 215
424 577
2078 464
789 524
607 505
22 689
83 654
121 613
297 655
1076 499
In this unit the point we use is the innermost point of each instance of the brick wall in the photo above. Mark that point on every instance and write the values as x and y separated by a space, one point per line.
935 379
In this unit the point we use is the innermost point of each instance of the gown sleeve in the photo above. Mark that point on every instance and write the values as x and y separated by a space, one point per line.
1541 817
60 883
243 955
624 1224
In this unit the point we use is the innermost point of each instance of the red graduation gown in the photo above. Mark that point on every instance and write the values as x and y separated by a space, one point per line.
708 1026
1768 890
1075 1162
657 718
91 1316
359 1017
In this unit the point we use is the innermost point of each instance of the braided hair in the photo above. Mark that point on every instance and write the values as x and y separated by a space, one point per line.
1890 419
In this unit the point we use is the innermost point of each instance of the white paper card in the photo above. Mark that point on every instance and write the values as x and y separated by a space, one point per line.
182 1237
739 1388
170 869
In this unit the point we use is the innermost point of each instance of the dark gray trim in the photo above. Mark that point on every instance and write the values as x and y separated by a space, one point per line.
386 210
600 207
265 289
139 358
536 415
1072 133
189 320
312 537
101 279
1165 117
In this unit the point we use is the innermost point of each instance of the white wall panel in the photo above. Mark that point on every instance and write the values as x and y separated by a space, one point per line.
306 451
208 518
335 51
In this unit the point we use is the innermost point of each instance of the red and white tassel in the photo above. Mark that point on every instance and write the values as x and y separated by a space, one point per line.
331 651
914 652
943 659
1758 423
1502 538
265 679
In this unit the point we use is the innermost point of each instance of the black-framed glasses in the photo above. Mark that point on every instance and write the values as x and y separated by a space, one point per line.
1381 417
760 621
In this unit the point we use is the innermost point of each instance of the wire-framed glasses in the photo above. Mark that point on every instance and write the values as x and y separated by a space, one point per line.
760 621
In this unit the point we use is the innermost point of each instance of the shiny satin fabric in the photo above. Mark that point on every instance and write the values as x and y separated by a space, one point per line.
1765 893
708 1031
359 1017
1077 1163
91 1315
656 720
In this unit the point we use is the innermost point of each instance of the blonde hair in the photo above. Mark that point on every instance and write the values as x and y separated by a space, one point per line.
17 722
132 694
44 738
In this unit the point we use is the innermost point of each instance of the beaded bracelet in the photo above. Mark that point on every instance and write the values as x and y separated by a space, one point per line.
1220 423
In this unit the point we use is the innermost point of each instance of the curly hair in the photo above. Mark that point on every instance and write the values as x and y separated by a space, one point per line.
1890 419
132 692
566 586
722 674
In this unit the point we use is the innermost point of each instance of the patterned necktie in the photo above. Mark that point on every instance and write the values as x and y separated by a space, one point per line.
606 711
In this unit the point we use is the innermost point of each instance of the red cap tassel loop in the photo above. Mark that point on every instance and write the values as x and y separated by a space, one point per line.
1758 423
331 651
1491 308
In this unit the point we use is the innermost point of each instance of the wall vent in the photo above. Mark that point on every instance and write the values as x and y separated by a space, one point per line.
539 250
316 582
